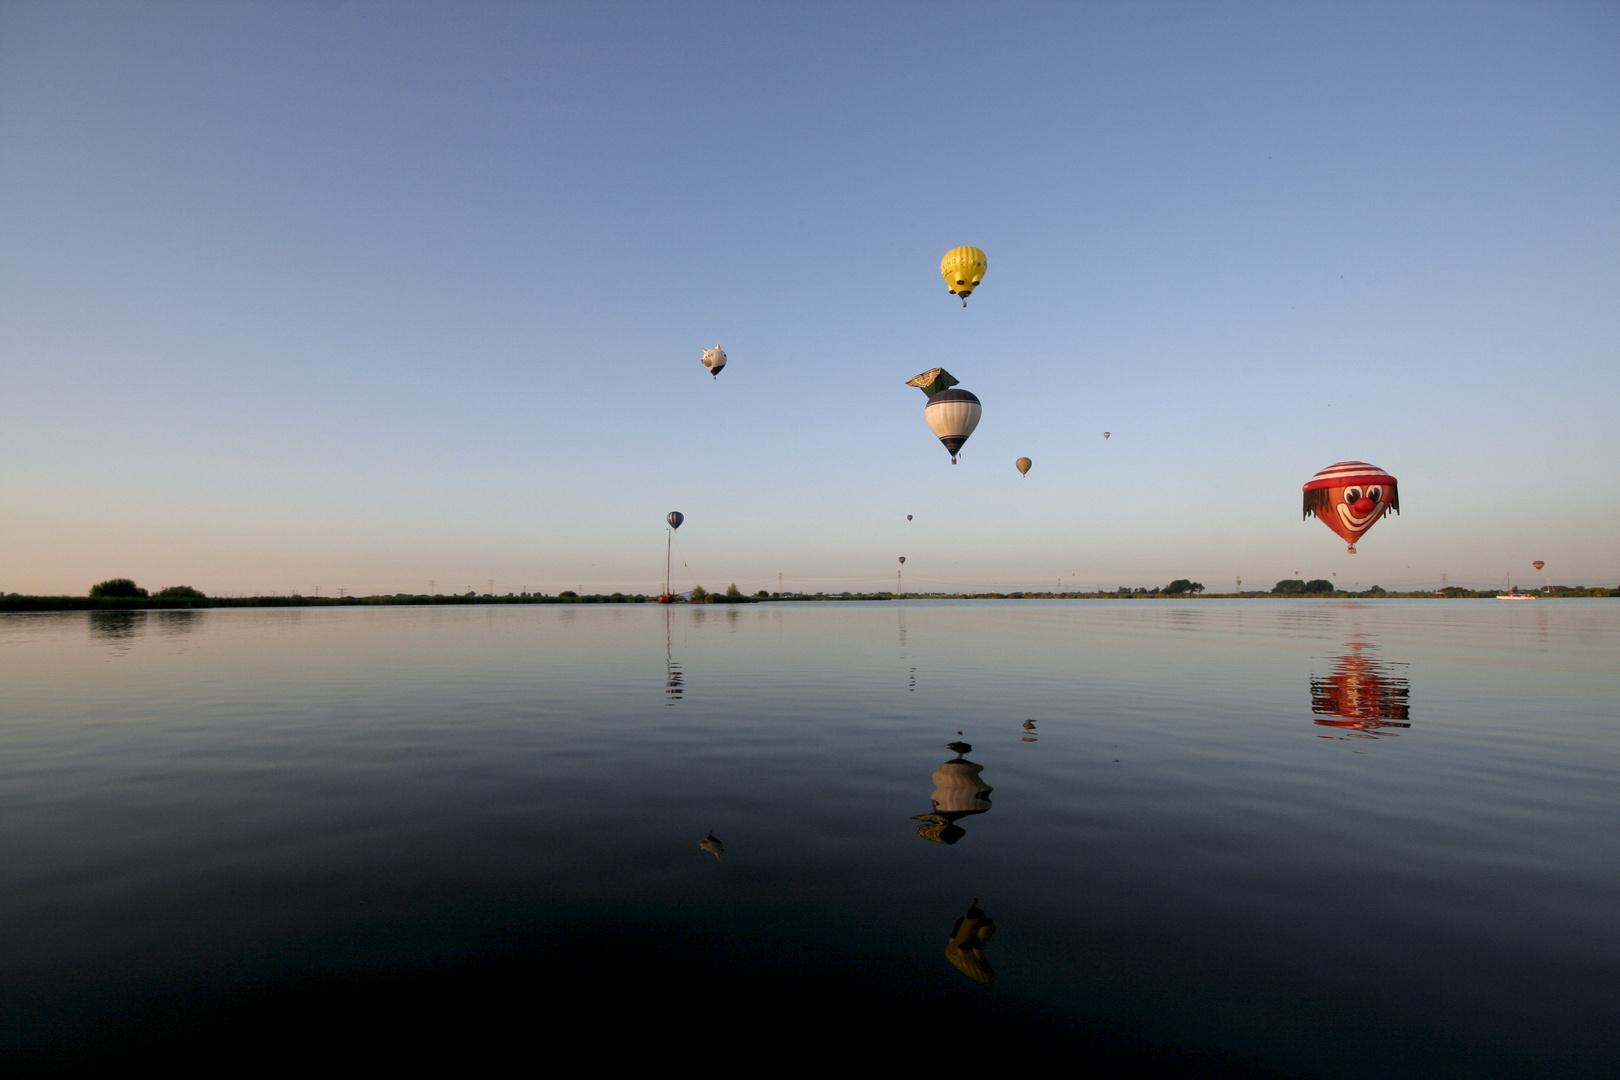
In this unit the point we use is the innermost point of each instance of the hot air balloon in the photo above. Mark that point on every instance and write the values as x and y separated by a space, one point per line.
902 560
963 268
714 359
1350 497
951 414
908 517
1022 465
675 517
1538 564
1107 433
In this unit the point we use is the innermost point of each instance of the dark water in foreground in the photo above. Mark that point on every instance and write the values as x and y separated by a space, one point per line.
1306 838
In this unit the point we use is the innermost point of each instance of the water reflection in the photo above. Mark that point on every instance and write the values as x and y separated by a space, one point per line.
674 681
1029 731
965 949
712 845
116 625
958 793
1363 695
175 623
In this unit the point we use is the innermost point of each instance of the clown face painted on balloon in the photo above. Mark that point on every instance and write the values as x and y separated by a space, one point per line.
1350 497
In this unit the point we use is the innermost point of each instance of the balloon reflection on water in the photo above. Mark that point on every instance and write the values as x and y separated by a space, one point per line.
965 949
1363 696
958 793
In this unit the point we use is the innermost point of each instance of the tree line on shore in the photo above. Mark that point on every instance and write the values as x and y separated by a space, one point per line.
124 593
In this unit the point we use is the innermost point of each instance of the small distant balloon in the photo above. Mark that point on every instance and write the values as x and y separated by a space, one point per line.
908 517
902 560
1106 434
714 359
675 518
1022 465
1538 564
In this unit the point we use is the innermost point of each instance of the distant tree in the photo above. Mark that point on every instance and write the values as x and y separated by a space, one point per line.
731 590
120 587
1319 585
1289 587
1376 590
699 594
1182 585
763 595
181 592
568 594
617 598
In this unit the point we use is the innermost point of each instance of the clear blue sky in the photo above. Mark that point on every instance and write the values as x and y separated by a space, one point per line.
367 295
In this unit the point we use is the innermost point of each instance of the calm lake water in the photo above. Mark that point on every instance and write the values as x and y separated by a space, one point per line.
1320 838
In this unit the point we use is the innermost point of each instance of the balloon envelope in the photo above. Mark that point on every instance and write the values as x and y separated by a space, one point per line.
1107 433
1538 564
902 560
1023 465
963 268
675 518
714 359
908 517
1350 497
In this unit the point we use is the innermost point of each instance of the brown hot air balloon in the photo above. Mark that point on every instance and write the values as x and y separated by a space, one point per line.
1022 465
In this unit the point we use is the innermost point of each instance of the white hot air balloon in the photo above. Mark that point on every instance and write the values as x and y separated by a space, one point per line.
714 359
951 414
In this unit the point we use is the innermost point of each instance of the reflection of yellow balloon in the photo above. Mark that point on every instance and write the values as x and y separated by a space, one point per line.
963 268
965 950
1023 465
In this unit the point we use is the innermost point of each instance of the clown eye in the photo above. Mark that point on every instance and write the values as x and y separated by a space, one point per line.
1352 495
1375 493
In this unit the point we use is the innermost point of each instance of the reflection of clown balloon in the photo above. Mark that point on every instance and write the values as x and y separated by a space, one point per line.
1350 497
1362 694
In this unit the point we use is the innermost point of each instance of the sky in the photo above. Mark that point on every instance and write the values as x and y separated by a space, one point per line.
365 296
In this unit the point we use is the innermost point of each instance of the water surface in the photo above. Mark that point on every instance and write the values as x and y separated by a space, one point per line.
1326 838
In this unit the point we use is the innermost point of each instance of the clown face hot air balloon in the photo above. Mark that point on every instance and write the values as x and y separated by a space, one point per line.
963 268
1350 497
951 414
714 359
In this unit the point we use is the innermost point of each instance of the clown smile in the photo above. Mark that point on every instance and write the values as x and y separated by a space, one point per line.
1353 522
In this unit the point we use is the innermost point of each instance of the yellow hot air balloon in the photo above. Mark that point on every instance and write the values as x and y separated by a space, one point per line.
963 268
1023 464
